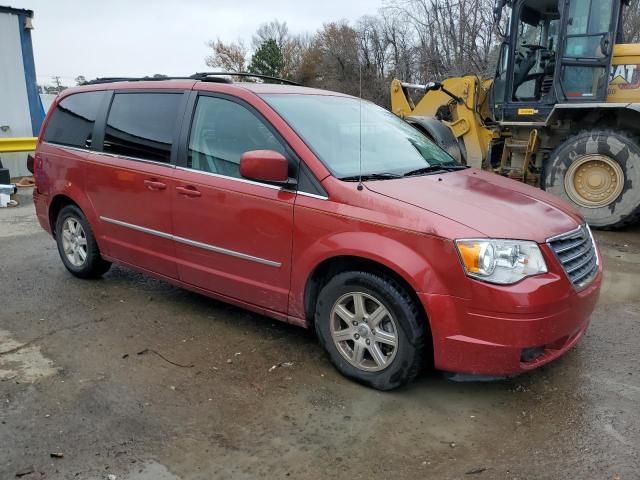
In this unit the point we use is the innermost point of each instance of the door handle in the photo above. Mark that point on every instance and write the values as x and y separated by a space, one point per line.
189 191
154 185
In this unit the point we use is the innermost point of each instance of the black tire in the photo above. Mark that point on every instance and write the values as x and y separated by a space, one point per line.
441 135
93 266
618 146
410 327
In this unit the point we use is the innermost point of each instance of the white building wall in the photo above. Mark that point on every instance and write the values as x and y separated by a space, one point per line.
15 119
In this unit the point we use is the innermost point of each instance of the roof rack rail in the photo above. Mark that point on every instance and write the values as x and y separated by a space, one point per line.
100 80
212 77
217 77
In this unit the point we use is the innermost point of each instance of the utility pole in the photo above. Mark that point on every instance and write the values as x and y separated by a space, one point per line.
58 83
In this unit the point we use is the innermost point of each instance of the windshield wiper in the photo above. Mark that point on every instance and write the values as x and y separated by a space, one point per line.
434 169
371 176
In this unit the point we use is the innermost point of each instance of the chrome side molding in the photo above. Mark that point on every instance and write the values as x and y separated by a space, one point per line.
193 243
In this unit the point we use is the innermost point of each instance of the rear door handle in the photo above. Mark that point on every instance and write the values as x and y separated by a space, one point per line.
155 185
189 191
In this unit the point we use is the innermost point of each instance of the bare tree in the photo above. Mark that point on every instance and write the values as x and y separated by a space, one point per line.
452 37
294 51
274 30
414 40
231 57
375 57
308 71
398 37
374 47
631 23
338 45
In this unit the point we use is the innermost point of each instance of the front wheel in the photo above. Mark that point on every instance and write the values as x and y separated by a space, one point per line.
599 172
371 328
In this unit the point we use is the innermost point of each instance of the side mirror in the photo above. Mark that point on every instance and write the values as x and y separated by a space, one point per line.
264 166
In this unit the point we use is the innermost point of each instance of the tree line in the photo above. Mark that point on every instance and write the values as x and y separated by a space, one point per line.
414 40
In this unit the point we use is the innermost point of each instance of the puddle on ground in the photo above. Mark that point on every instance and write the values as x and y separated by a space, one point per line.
22 363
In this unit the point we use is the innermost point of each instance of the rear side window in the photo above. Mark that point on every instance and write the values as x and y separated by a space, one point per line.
72 121
141 125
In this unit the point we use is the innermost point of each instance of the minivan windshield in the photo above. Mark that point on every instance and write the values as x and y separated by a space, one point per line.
340 129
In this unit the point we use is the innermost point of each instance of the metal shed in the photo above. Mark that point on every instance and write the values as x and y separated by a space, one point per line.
21 112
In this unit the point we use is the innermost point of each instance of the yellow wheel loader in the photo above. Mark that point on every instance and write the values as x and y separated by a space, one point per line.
562 113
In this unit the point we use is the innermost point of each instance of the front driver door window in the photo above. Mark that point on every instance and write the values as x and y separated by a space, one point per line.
222 131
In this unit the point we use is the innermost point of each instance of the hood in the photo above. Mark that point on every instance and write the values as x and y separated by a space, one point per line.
486 202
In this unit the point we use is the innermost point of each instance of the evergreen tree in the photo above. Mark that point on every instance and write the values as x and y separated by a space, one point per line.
268 59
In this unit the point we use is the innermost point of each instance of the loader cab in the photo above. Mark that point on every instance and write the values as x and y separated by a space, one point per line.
555 51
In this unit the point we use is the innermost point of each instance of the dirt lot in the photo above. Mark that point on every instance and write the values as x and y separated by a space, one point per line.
132 378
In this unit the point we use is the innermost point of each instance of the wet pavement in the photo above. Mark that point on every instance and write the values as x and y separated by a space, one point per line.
131 378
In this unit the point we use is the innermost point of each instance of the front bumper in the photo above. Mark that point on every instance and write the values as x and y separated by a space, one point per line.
509 330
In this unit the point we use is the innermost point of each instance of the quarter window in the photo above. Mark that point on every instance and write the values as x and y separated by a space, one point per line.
73 119
222 131
141 125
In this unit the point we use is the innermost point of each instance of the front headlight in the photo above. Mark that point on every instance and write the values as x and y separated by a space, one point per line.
500 261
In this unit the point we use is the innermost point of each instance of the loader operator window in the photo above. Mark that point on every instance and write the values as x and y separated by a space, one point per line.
535 55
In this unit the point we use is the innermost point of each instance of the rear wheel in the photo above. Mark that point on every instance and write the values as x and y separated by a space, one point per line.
371 328
599 172
77 244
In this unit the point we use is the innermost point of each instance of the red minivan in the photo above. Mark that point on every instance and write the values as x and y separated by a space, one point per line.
321 210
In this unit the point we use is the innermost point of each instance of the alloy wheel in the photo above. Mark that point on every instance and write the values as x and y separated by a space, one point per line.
74 242
364 331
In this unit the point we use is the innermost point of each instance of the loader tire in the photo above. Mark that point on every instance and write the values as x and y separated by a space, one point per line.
441 135
599 173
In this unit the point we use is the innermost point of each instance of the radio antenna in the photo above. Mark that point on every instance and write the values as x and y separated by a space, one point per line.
360 186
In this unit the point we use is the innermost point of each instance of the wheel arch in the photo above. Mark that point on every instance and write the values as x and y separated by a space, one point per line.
71 196
58 202
333 265
600 115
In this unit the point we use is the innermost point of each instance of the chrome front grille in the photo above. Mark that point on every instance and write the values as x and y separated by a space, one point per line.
576 252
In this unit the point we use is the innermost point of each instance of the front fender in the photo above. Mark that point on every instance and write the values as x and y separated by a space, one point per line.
405 253
389 252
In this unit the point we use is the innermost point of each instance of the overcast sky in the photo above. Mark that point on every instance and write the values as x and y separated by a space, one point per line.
137 38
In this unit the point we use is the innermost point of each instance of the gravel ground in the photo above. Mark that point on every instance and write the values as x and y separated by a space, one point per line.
131 378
